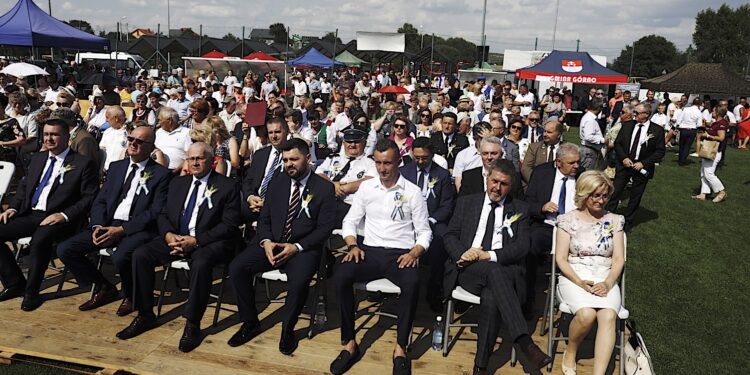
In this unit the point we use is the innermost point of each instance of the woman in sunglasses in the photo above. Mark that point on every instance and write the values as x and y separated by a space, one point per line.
424 127
401 135
515 129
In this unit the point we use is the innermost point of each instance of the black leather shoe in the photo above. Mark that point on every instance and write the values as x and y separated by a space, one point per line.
479 371
345 361
288 343
247 332
191 338
139 325
31 302
103 296
537 358
10 293
401 366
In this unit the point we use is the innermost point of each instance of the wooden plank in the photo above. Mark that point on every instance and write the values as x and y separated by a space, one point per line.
5 358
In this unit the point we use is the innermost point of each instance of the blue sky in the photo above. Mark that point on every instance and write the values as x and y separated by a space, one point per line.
602 27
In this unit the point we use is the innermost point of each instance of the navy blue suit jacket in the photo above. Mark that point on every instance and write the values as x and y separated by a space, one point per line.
440 205
310 232
145 207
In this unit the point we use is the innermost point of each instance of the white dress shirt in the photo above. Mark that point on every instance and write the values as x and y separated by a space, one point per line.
201 198
114 142
361 167
590 132
525 109
497 236
174 144
122 212
692 118
59 160
468 158
375 204
98 119
641 139
570 192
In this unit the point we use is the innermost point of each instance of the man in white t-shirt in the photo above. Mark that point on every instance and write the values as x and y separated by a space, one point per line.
115 138
172 139
738 107
267 87
524 99
230 79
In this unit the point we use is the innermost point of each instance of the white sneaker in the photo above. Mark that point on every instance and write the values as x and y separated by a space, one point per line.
695 154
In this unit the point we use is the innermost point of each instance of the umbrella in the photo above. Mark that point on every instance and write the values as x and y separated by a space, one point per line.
23 70
99 79
393 90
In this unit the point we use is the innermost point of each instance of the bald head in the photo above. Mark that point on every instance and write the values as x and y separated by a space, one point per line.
552 132
140 144
115 116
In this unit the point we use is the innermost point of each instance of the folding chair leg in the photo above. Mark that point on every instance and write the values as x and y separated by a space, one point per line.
221 295
268 290
161 293
622 346
543 328
98 268
447 330
513 359
62 281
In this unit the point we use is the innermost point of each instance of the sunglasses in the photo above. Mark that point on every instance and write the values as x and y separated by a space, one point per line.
423 115
59 104
362 122
137 141
516 127
397 126
533 119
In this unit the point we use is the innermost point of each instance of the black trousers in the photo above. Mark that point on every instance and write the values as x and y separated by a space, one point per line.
622 177
73 252
541 244
435 258
687 138
342 209
499 300
202 261
41 249
378 263
299 270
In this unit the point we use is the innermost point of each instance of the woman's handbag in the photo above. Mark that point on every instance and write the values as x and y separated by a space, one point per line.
636 360
708 149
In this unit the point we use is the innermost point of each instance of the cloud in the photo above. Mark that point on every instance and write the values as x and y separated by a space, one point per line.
601 27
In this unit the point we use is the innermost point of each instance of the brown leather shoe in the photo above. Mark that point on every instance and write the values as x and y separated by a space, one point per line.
126 307
536 357
105 295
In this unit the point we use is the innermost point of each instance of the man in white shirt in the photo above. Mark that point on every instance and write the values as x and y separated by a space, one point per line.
592 139
470 158
172 139
180 104
229 79
267 87
738 107
524 99
229 113
114 139
396 233
692 119
300 90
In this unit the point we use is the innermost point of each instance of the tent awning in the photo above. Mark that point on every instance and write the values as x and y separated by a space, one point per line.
350 59
215 55
700 78
260 55
27 25
571 67
313 57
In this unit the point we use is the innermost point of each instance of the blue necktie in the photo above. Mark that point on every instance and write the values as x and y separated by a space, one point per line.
44 182
188 214
269 175
561 199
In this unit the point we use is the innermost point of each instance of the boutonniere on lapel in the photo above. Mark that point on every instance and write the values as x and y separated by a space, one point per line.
208 194
509 220
450 149
305 206
145 176
63 170
398 209
431 187
648 138
605 236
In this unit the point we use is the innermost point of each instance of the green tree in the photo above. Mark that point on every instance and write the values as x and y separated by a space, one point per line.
330 37
81 25
231 37
279 32
653 55
721 36
413 38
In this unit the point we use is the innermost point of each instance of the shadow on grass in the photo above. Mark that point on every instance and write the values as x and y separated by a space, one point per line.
644 215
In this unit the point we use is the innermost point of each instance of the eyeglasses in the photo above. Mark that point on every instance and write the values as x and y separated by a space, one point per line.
196 158
533 119
399 126
136 141
599 93
599 196
516 127
61 104
424 115
643 113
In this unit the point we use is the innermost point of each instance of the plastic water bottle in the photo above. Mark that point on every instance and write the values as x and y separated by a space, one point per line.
644 172
437 335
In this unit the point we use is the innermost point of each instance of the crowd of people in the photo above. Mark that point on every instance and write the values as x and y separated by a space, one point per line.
471 180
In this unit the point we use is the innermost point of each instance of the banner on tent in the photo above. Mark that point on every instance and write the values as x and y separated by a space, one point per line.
370 41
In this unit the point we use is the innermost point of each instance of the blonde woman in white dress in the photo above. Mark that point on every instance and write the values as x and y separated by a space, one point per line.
590 256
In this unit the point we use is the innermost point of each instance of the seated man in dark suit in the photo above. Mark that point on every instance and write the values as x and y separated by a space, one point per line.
294 223
550 193
50 204
449 142
200 222
437 189
123 216
487 253
266 165
473 181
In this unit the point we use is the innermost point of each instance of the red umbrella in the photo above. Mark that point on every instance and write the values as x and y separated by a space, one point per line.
393 90
214 55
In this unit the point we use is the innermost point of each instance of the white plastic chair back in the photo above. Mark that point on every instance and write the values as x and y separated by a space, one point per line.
7 170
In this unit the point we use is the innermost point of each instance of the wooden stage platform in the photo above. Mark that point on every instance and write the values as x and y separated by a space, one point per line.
58 331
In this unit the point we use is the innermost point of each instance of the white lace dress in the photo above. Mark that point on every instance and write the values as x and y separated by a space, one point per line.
590 256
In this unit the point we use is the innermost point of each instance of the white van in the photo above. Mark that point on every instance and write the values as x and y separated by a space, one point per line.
122 60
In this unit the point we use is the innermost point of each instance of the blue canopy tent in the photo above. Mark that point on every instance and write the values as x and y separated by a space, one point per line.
27 25
313 57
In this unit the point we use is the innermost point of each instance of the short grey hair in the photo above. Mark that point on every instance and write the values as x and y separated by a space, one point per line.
566 149
170 113
116 111
628 108
208 151
494 140
646 106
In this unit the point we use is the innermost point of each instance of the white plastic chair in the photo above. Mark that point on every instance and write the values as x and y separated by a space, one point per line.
384 286
565 309
7 170
460 294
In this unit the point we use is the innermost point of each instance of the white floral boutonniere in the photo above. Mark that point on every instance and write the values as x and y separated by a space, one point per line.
431 187
305 206
145 176
648 138
63 170
450 149
398 209
208 194
509 220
